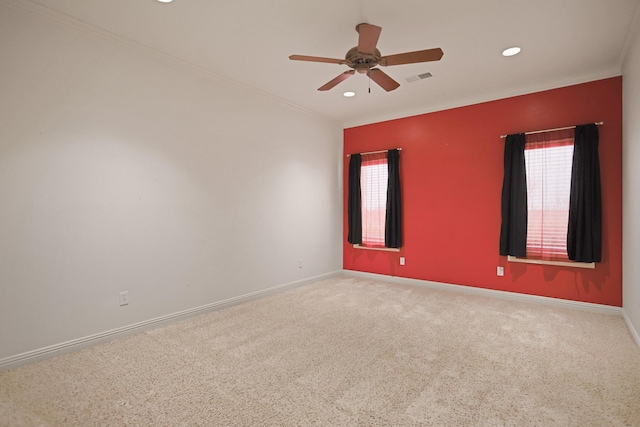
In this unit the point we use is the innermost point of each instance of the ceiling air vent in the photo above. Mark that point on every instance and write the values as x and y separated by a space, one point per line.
419 77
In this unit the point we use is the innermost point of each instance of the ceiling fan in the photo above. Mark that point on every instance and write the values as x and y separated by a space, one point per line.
364 57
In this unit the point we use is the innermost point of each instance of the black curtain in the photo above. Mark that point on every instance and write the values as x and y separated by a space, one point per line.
584 234
513 232
393 223
354 201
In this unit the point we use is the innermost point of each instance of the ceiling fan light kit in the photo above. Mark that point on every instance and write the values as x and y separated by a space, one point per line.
365 57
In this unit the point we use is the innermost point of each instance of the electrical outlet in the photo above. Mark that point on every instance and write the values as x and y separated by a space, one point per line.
401 260
300 263
500 270
124 298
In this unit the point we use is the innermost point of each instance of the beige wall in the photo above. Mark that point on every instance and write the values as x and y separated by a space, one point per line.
119 171
631 184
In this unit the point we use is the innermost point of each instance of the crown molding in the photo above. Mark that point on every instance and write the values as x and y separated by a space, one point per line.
487 97
196 70
631 36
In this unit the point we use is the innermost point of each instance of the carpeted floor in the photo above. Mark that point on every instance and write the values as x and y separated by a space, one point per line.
346 351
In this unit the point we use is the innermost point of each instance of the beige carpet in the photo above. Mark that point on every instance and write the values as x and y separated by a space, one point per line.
346 351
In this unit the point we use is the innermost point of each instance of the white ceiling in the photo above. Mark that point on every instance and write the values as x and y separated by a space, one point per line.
249 41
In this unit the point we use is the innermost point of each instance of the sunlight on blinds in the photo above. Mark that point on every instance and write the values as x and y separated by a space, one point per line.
548 169
374 178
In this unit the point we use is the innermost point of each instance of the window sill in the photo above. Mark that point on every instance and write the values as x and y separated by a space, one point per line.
377 249
556 263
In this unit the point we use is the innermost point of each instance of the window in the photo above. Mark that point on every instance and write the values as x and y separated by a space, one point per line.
548 162
551 197
374 211
374 176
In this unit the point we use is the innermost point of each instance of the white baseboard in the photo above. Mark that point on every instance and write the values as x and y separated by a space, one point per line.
632 330
77 344
599 308
102 337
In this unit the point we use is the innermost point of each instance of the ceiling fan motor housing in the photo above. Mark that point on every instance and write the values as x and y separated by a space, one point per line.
362 62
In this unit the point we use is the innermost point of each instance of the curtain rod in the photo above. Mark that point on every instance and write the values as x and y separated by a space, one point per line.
376 152
551 130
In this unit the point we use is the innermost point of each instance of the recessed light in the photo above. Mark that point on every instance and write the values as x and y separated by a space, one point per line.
165 1
511 51
349 94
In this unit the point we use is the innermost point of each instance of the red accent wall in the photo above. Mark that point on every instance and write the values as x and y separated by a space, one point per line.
451 175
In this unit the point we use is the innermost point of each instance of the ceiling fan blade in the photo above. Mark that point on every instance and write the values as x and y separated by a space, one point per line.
368 38
383 80
342 77
412 57
316 59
